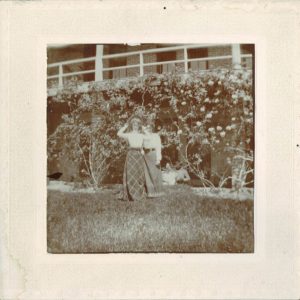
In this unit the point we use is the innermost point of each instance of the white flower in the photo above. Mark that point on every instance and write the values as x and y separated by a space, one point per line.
219 128
198 123
232 77
233 119
206 100
217 141
228 127
179 131
210 82
183 103
202 109
211 129
234 96
222 134
182 91
219 82
209 116
217 101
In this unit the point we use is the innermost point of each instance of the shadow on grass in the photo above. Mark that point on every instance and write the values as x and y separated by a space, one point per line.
179 222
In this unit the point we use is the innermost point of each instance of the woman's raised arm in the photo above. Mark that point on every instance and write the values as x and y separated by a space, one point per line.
121 131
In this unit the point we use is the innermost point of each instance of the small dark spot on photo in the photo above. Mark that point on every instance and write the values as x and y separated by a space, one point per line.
165 7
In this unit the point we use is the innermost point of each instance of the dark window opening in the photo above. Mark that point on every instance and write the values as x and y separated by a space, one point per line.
165 56
198 53
247 49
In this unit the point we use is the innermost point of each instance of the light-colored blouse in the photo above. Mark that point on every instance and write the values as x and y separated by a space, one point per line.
152 141
134 139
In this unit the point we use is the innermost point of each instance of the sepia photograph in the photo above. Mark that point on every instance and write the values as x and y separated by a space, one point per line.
150 148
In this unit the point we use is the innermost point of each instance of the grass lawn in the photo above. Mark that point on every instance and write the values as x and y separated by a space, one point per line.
181 221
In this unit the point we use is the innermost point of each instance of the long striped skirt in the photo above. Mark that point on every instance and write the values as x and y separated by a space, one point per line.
153 175
134 176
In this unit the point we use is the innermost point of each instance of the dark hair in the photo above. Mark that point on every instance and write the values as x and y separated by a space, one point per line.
151 124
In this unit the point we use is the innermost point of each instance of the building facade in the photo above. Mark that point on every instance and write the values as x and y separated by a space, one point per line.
95 62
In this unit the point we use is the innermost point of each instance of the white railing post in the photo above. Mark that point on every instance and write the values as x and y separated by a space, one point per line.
60 76
141 64
99 63
185 59
236 56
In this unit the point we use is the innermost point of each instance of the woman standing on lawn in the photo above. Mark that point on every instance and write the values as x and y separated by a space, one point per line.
133 176
152 149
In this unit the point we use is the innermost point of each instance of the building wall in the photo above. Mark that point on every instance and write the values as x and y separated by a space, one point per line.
81 51
149 58
55 55
219 51
247 62
133 60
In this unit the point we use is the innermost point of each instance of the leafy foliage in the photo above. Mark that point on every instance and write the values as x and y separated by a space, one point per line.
194 113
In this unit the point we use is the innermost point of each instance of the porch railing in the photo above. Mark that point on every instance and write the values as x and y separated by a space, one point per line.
98 69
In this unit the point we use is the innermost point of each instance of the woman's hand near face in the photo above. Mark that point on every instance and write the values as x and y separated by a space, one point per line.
121 131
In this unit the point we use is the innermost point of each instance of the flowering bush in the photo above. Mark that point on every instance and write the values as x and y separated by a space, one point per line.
195 113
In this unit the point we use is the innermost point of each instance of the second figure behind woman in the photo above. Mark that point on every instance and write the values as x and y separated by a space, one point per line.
152 149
